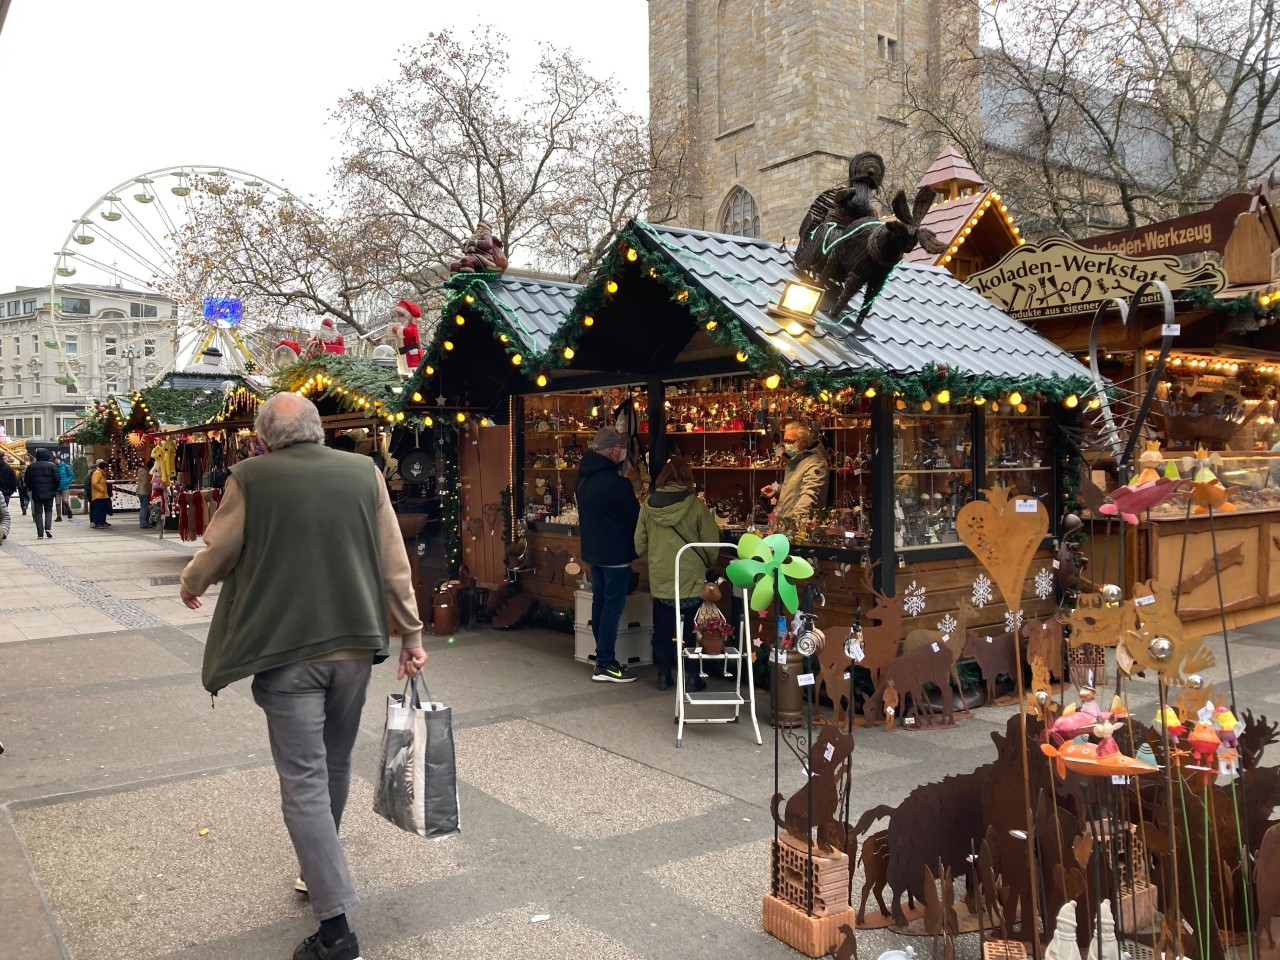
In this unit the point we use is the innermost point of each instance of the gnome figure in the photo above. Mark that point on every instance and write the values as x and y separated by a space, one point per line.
404 333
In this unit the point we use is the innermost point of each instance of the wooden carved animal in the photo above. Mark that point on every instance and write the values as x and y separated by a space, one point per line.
827 759
863 253
875 872
835 663
996 655
1267 883
923 638
909 673
1045 639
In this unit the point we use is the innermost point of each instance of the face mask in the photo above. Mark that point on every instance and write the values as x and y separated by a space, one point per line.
790 449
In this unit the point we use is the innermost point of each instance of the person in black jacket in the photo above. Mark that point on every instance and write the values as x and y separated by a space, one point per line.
42 482
8 481
607 513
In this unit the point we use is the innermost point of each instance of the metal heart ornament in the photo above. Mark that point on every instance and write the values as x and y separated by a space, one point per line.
1004 536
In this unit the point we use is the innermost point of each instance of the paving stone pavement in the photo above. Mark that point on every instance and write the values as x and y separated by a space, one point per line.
576 804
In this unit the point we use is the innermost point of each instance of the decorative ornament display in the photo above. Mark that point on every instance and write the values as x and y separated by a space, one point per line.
404 336
1012 620
1044 583
764 567
327 339
913 599
981 591
1003 532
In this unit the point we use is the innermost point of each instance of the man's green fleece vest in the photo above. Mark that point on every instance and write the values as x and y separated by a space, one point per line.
309 580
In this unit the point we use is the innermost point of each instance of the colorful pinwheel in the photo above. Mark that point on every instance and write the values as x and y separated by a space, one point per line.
761 563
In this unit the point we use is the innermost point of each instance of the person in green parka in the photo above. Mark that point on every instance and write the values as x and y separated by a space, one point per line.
672 516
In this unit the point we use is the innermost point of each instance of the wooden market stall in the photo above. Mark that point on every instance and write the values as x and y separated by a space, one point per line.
937 396
1216 389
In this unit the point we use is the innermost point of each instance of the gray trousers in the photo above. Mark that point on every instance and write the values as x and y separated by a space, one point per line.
313 716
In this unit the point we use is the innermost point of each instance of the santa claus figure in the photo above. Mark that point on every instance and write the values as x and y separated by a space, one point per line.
327 339
404 335
285 353
483 252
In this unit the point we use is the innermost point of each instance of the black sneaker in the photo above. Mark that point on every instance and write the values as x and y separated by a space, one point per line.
615 673
312 949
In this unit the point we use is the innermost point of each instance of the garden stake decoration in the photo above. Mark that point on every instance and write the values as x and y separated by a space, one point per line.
763 565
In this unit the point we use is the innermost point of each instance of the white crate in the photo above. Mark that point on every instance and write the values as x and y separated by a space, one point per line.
634 648
637 613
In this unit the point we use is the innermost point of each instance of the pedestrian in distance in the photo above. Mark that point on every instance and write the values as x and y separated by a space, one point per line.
607 513
4 522
675 515
99 488
63 505
305 609
24 495
42 482
143 480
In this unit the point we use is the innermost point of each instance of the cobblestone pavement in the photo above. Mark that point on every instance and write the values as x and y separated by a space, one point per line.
137 822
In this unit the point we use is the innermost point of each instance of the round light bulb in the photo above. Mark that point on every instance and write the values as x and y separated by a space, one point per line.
588 321
448 345
460 320
1015 398
1071 402
944 396
741 356
568 353
632 256
542 379
711 325
772 381
870 392
611 287
461 417
516 359
430 370
926 406
417 397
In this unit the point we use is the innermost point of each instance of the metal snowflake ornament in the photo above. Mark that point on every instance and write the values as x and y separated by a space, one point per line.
947 626
982 591
913 600
1012 621
1044 584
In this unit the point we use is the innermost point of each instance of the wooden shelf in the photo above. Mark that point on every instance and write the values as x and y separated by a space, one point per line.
941 470
758 431
900 417
1015 469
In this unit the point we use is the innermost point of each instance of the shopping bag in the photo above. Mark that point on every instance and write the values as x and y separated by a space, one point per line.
418 784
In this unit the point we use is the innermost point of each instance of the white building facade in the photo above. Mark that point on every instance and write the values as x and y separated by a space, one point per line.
100 340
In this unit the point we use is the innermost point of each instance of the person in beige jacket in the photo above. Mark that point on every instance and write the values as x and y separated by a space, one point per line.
804 480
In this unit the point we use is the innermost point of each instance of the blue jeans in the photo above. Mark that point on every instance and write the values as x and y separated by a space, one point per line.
608 599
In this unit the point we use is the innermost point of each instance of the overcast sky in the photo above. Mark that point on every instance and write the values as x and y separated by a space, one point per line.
94 93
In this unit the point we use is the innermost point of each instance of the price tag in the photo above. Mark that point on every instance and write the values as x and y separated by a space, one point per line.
908 721
846 674
829 752
990 640
1144 601
1170 329
1025 506
936 648
805 680
849 534
1056 564
858 653
1206 712
1120 781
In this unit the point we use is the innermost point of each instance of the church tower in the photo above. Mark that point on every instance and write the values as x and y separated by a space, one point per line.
780 94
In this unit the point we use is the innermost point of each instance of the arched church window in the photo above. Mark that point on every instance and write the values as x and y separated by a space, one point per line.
740 216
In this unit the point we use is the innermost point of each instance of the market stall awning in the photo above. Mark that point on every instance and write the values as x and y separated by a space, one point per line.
924 316
533 309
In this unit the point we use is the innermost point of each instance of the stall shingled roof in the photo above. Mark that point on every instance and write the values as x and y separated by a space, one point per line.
533 309
924 316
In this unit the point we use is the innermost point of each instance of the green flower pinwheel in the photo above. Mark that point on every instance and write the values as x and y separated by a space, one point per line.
761 562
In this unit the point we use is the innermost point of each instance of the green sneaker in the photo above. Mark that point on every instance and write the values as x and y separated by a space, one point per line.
614 673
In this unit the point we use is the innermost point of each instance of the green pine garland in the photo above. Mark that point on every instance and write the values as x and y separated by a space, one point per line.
182 407
1245 313
354 379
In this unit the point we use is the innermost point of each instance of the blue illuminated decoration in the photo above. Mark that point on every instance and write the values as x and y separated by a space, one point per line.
227 311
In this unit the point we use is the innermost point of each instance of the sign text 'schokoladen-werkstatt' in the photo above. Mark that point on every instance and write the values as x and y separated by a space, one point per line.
1058 277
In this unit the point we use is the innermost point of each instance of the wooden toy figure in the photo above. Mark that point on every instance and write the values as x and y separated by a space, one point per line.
1167 719
1226 723
1204 745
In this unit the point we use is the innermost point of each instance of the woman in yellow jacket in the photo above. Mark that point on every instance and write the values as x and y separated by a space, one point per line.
99 496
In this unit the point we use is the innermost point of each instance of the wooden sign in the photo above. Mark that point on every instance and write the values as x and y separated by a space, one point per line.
1059 277
1195 233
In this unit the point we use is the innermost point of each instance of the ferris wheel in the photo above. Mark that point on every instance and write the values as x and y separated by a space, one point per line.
126 275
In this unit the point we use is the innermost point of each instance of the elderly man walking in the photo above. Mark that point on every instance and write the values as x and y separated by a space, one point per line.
304 609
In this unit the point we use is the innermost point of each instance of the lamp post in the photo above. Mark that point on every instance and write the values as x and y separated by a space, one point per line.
130 356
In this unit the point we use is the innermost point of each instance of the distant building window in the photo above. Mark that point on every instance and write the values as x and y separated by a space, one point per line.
17 386
109 347
76 305
741 216
35 344
72 388
17 347
149 346
70 344
887 47
28 306
142 309
14 307
112 386
68 423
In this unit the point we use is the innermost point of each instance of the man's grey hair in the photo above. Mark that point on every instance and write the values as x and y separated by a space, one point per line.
288 419
807 433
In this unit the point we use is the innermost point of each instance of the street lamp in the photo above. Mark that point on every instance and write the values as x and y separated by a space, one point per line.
130 356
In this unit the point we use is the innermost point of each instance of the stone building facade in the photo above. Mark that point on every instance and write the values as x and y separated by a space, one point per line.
780 94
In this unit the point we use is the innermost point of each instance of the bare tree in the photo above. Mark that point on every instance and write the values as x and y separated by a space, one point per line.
556 169
1108 113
